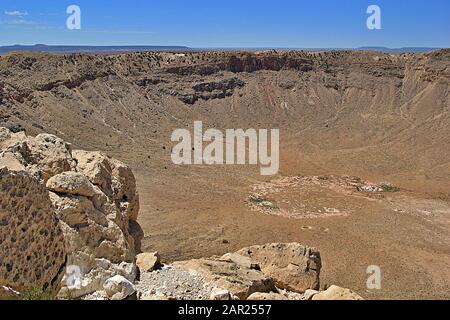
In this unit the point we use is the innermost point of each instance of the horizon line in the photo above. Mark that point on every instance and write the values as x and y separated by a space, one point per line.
184 47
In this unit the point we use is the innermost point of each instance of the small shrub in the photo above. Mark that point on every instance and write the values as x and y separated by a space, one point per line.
257 199
36 294
387 187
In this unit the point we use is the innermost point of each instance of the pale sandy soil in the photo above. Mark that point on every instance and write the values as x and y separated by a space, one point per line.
405 233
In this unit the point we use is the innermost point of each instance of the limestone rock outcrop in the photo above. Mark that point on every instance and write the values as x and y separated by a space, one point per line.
266 296
113 178
147 261
103 240
219 294
83 207
262 269
293 266
44 155
118 288
239 280
71 183
336 293
32 254
276 271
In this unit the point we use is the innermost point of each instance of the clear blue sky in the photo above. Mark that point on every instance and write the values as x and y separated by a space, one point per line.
227 23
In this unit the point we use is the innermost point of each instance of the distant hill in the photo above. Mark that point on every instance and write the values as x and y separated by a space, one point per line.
75 49
112 49
404 49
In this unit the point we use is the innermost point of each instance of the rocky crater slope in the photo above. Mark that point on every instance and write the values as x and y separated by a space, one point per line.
340 108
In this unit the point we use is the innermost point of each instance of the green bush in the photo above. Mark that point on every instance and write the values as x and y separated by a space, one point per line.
36 294
389 188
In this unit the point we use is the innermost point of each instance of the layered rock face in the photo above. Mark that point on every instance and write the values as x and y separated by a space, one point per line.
90 198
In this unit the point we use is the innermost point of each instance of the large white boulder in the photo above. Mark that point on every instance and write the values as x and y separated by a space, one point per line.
118 288
337 293
71 182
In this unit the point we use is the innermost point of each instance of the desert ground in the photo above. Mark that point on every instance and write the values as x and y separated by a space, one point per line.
345 117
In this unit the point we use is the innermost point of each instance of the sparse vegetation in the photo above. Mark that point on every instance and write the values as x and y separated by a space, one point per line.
36 294
262 202
387 187
256 199
30 294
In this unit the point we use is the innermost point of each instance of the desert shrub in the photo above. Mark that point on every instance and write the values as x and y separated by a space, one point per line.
387 187
36 294
256 199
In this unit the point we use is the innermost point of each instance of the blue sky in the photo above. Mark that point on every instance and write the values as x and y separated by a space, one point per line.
228 23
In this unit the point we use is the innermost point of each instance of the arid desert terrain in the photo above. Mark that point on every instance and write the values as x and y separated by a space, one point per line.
364 151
